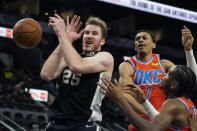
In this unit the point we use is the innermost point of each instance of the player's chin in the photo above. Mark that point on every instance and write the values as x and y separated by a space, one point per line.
87 49
142 52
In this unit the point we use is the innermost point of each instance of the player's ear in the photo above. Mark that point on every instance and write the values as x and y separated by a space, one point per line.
102 42
154 45
174 84
135 47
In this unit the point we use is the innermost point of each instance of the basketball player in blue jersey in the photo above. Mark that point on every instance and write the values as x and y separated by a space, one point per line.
78 98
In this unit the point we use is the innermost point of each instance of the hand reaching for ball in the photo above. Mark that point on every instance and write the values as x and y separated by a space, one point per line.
70 29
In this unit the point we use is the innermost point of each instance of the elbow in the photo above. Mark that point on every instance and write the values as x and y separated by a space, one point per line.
44 75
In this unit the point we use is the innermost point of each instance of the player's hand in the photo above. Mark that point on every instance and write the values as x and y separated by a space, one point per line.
187 38
113 91
58 24
69 30
137 93
73 27
128 92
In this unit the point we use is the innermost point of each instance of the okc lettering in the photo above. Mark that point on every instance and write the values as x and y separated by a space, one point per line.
144 77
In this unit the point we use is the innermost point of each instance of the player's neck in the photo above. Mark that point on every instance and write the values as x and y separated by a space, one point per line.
170 96
144 58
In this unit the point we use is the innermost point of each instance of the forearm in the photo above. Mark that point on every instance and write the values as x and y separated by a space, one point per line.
151 111
71 56
135 105
131 100
51 64
191 62
139 123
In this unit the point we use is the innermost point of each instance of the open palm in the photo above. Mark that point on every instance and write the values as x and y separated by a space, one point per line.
73 27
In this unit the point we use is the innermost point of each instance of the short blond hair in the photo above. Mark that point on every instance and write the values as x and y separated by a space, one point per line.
97 21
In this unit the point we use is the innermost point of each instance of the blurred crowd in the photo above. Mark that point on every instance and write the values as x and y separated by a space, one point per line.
14 96
17 104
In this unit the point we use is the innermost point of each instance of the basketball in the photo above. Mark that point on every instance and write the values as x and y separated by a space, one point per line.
27 33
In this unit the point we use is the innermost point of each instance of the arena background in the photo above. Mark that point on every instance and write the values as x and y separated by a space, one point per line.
20 68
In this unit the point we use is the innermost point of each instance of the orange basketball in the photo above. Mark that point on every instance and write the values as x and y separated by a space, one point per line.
27 33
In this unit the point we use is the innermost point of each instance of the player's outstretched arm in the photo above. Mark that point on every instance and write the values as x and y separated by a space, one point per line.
139 96
187 42
160 122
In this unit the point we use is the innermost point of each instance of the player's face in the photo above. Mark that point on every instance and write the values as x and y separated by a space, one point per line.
167 80
92 38
144 43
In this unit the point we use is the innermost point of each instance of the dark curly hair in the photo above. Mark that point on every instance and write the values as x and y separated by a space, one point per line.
187 82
